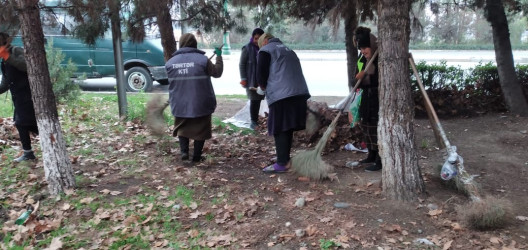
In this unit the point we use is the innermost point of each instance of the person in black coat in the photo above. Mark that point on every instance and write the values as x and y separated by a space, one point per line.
369 106
248 75
15 79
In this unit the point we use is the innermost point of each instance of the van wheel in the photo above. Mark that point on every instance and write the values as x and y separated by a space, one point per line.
138 78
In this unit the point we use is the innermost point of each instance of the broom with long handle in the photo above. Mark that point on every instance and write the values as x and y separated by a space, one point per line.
452 157
309 163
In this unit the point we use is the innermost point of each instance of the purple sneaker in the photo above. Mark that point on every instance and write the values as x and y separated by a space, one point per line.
275 168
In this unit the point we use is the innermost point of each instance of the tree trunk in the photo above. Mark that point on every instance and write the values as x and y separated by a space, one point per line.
351 22
57 166
164 21
401 176
513 93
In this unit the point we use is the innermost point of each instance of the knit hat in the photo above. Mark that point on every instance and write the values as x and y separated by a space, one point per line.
362 37
188 40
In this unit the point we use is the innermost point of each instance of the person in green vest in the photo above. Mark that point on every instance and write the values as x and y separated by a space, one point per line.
366 42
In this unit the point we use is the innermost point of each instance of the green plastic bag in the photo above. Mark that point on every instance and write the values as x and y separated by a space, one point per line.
354 107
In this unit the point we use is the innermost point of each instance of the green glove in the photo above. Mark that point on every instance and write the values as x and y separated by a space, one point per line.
218 52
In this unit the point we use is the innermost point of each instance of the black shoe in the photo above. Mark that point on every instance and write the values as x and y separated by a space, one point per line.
26 157
184 156
371 158
198 159
373 168
253 125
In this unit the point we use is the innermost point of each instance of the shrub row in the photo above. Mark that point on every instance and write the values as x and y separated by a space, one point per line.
455 92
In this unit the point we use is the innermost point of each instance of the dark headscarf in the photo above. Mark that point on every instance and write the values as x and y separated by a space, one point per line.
188 40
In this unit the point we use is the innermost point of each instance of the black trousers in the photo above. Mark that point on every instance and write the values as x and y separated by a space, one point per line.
23 133
254 108
198 146
283 144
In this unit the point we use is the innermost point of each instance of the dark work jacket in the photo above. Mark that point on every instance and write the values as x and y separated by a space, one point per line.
285 78
248 65
16 80
369 107
191 92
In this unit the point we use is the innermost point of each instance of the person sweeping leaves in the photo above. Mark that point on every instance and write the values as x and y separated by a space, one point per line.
369 106
279 73
191 94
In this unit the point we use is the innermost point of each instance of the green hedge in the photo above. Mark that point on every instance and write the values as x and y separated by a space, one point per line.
454 91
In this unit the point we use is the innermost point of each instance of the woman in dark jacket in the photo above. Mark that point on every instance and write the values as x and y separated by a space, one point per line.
15 79
191 94
248 75
369 107
279 73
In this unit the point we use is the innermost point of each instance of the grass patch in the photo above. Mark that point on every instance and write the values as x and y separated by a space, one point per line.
135 242
185 195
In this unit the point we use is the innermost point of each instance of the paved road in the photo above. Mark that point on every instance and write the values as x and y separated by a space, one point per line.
325 71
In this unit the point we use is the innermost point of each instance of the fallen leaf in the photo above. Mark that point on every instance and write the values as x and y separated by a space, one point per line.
193 233
146 220
104 215
56 243
495 240
326 220
350 224
114 193
65 207
105 191
303 178
447 245
391 240
311 230
130 220
270 244
456 226
435 212
195 215
86 200
32 177
392 228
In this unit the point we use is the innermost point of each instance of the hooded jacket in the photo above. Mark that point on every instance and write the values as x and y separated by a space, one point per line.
15 79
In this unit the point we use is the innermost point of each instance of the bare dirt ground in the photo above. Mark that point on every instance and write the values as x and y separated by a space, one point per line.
494 148
236 206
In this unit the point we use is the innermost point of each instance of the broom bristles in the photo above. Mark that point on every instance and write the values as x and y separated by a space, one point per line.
154 117
309 163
